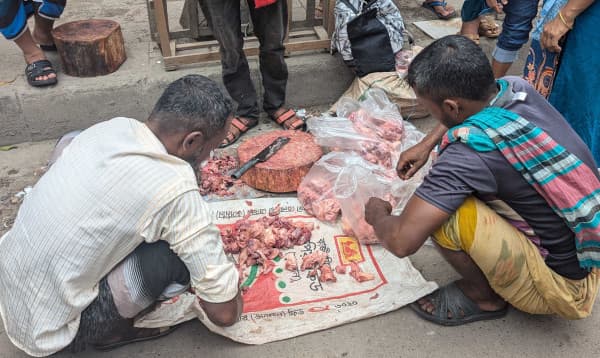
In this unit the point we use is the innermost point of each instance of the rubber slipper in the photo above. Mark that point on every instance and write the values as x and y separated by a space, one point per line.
451 300
110 346
37 69
431 7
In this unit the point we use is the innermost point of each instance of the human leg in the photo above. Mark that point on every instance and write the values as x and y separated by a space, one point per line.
515 33
47 12
13 25
509 267
152 272
223 17
270 26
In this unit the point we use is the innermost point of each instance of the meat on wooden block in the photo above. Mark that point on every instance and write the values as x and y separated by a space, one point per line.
89 48
283 172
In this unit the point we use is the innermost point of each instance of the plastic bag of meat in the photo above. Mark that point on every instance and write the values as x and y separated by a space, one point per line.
316 191
375 115
353 188
340 134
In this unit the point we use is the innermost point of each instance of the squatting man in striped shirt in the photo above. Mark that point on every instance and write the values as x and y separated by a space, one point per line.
116 224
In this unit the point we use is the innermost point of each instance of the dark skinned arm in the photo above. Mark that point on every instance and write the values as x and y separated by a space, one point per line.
224 314
412 159
403 235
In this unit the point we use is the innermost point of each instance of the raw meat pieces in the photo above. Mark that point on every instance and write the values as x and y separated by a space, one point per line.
316 195
260 241
358 274
215 177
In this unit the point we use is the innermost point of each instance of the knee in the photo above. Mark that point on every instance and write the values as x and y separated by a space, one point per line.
516 29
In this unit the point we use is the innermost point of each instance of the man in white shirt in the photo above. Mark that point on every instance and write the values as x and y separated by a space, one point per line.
117 223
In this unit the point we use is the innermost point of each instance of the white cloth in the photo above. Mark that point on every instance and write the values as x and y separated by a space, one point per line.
114 187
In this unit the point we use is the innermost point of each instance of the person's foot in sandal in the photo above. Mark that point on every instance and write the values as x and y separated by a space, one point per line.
488 27
239 126
450 306
132 335
441 9
40 73
288 119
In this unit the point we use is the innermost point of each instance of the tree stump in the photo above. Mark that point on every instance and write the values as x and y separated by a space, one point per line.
89 48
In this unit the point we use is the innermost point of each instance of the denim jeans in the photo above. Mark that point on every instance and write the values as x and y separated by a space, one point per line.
270 26
517 24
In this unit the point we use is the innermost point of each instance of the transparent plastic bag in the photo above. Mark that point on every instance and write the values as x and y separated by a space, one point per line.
315 192
354 186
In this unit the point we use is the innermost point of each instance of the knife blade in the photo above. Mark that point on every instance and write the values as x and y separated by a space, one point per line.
262 156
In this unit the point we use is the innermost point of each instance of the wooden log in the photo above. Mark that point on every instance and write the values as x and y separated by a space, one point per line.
89 48
283 172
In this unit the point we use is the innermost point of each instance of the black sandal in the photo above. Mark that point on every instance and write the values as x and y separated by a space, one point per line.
37 69
451 299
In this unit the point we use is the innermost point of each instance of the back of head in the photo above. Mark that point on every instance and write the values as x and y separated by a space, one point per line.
192 103
452 66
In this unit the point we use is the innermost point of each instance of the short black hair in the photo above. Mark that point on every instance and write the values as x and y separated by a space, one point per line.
452 66
192 103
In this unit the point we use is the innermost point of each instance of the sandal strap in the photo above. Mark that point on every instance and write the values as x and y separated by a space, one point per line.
285 116
437 3
296 124
242 124
39 68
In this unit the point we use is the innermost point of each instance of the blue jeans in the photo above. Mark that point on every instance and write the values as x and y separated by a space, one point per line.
515 28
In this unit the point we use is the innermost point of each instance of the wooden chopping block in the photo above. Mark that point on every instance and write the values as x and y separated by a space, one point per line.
89 48
283 172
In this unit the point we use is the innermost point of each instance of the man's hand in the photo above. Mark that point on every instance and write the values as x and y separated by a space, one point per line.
412 159
497 5
553 33
376 209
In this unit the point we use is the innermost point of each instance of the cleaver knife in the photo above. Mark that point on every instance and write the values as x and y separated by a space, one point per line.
263 156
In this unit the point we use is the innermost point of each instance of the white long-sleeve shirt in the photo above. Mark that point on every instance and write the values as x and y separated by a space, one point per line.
114 187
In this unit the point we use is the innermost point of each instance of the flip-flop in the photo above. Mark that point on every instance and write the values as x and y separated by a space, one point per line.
450 299
110 346
431 7
37 69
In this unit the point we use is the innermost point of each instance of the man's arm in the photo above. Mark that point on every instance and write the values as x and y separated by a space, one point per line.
185 224
224 314
412 159
403 235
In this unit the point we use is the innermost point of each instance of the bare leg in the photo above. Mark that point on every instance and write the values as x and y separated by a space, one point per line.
500 68
42 31
473 284
31 51
470 30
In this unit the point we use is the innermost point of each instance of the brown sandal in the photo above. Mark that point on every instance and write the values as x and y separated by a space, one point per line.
240 125
289 120
488 27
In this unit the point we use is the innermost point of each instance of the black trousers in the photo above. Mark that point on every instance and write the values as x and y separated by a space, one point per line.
154 267
270 26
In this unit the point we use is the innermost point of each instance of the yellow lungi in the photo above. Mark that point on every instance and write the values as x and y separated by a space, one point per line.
513 265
